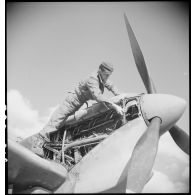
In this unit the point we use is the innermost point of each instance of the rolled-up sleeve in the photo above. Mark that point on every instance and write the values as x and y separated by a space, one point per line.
109 85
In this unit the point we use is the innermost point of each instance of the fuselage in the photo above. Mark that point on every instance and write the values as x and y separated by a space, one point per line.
106 166
168 108
105 141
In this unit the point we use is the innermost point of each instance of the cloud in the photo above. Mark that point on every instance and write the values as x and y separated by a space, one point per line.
181 187
173 163
20 110
168 146
23 119
171 166
185 173
159 183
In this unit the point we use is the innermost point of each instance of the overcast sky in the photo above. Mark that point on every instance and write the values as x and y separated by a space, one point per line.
51 46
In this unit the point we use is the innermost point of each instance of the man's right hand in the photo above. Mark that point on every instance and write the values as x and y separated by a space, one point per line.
118 109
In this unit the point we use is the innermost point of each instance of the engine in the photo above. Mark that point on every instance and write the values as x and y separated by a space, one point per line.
73 141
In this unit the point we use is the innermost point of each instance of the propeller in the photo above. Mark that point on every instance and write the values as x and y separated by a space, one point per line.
143 157
144 154
181 138
139 58
178 135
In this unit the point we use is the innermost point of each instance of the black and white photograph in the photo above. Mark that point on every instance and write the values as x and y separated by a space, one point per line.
98 97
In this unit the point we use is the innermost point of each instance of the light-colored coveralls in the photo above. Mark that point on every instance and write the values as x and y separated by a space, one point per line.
90 88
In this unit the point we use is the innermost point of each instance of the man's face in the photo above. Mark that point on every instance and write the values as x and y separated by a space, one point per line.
105 75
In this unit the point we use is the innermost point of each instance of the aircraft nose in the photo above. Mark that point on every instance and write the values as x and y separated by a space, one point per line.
168 107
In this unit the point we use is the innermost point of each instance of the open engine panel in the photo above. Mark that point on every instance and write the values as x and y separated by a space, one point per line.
72 142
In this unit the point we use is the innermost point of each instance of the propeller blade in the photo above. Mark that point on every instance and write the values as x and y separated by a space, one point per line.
153 86
143 157
180 137
139 58
27 169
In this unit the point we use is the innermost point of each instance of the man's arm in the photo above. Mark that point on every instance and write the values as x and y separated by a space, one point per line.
109 85
93 86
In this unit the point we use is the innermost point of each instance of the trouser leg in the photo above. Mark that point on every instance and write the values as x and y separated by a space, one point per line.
36 142
68 107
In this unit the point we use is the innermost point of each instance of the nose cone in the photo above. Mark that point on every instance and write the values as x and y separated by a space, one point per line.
168 107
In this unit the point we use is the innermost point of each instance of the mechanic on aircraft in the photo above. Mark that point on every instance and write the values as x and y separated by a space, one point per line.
91 88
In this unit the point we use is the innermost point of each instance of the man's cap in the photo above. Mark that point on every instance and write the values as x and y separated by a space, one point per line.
107 66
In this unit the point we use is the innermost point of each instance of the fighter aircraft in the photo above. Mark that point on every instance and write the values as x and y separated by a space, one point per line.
96 150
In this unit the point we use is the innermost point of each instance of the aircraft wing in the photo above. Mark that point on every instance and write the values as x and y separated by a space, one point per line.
26 169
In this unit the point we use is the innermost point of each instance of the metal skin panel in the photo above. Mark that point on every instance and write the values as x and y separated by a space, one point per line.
87 113
26 169
96 109
105 166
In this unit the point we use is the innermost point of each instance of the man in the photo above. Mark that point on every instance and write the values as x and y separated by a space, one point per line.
91 88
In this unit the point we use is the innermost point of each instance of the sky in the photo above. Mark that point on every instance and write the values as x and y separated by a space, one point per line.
52 46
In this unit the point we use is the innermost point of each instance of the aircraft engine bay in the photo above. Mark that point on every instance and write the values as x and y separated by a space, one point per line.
72 142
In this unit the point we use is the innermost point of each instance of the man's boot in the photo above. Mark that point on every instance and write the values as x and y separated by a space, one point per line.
35 143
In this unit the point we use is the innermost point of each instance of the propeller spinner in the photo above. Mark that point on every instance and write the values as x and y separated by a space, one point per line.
168 108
